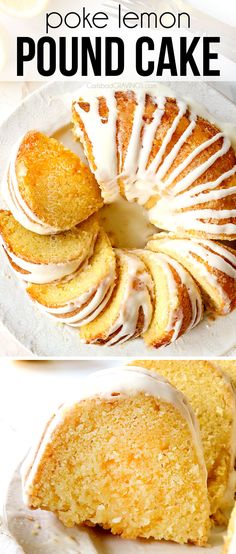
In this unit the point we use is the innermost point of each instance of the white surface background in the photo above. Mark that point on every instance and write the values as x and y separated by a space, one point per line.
11 94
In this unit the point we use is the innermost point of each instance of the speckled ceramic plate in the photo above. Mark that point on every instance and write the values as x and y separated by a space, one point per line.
39 532
46 110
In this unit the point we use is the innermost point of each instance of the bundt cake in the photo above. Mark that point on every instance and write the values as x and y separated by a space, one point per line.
212 264
46 258
47 187
158 152
213 401
177 300
143 148
230 540
80 299
228 366
129 311
125 455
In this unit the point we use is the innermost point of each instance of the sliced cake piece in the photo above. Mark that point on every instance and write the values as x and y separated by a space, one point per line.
214 403
80 299
212 264
125 455
43 259
178 305
129 311
230 540
47 188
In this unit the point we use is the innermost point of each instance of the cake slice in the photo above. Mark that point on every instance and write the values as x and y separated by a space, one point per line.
80 299
177 300
47 188
212 265
43 259
214 403
129 311
230 540
125 455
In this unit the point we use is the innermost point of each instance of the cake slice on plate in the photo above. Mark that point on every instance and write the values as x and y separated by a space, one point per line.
80 299
47 187
178 304
129 311
126 455
46 258
212 265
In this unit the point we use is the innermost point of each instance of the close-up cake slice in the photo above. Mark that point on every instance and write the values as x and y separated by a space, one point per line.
80 299
213 400
46 258
177 299
212 265
47 187
161 154
126 455
129 311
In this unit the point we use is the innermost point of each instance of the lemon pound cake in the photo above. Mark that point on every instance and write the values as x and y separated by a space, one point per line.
213 266
80 299
43 259
47 188
162 155
123 456
129 311
177 306
213 401
230 540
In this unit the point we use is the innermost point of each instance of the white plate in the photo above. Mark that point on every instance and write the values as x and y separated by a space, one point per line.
45 110
39 532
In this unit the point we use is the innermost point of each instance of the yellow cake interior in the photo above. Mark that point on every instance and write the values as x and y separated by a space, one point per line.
56 185
46 249
99 266
128 464
213 402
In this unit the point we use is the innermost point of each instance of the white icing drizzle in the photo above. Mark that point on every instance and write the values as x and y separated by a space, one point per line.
132 154
215 255
95 299
182 107
188 160
102 136
193 175
170 158
193 292
133 298
176 313
102 384
165 215
43 273
142 181
148 136
20 211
